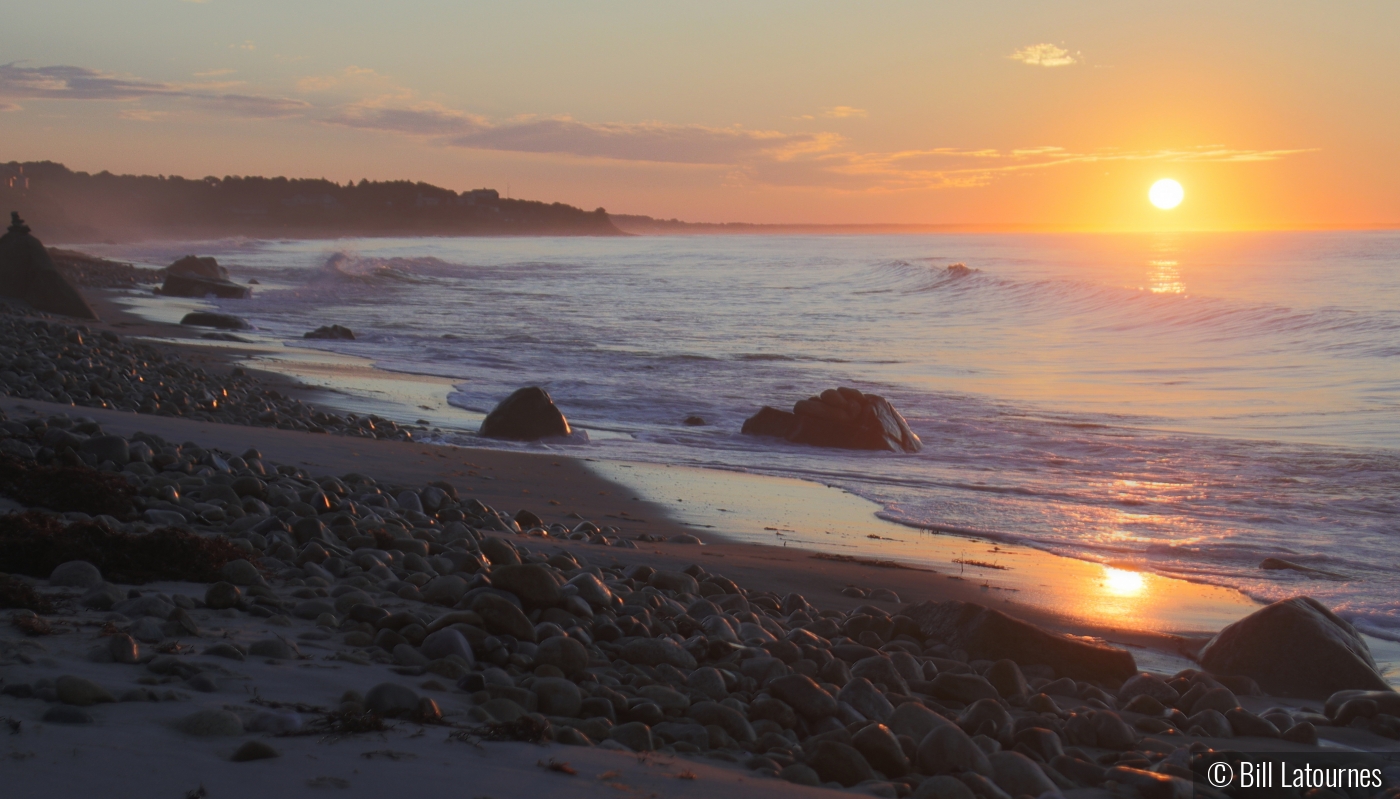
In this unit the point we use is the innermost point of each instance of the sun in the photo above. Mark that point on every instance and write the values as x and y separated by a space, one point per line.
1166 194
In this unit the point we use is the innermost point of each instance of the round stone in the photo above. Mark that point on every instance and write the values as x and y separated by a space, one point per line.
82 692
241 572
557 696
274 648
223 595
76 574
564 653
634 735
210 723
254 750
391 699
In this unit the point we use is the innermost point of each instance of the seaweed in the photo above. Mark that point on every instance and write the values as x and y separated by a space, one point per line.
19 594
35 543
65 488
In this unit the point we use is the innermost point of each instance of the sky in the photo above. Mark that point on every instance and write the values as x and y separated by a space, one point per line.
1048 114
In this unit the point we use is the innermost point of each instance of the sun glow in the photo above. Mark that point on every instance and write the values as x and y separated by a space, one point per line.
1122 582
1166 194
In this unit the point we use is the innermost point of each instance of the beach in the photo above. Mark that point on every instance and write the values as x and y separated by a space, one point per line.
728 643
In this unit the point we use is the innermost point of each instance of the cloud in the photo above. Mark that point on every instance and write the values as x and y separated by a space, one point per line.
642 141
244 45
10 107
1045 55
81 83
844 112
214 73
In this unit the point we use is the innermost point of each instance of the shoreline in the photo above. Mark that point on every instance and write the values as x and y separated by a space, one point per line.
1044 588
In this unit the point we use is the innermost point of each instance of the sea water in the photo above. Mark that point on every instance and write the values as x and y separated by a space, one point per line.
1189 404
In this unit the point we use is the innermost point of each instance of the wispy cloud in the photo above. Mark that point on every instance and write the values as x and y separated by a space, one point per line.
81 83
243 45
10 107
1045 55
844 112
214 73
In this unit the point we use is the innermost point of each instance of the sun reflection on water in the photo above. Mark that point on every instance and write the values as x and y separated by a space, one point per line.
1122 582
1166 278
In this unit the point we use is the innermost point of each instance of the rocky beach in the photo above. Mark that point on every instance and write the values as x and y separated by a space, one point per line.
215 588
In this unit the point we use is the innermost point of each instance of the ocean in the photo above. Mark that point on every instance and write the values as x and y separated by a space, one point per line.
1186 404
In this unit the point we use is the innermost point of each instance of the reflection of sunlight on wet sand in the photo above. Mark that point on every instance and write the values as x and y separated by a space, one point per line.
1121 582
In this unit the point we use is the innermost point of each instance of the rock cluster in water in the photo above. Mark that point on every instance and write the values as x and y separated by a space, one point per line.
571 647
839 417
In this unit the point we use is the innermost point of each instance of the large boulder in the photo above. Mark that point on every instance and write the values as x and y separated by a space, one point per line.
987 634
193 276
528 414
1295 647
28 273
841 417
332 332
221 321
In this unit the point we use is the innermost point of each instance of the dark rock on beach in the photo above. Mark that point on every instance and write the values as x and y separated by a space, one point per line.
192 276
221 321
28 273
528 414
843 418
331 332
1295 647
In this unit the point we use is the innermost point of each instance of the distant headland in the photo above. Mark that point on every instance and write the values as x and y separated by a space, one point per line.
79 206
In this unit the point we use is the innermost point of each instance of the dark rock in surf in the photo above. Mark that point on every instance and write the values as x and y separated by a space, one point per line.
843 418
28 273
988 634
528 414
222 321
331 332
1295 647
193 276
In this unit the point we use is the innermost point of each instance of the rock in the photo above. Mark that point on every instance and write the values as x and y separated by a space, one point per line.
123 649
499 552
102 597
668 699
866 699
837 762
557 696
210 723
1006 677
444 643
312 608
986 717
591 590
223 595
500 616
224 649
989 634
194 286
564 653
880 669
843 418
679 582
1212 723
804 696
221 321
1018 775
1297 648
709 682
147 630
948 750
1150 685
1150 784
77 574
693 421
655 651
915 720
726 718
1244 723
391 699
800 774
445 590
148 605
254 750
881 749
693 734
107 448
274 648
195 266
27 273
334 332
240 572
634 735
81 692
64 714
528 414
531 582
1221 699
965 688
942 787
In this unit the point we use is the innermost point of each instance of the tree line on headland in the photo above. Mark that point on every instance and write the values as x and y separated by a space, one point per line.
79 206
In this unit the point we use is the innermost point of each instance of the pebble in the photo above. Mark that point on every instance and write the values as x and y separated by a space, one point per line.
240 573
1017 774
274 648
224 649
634 735
564 653
254 750
210 723
223 595
948 750
557 696
943 787
123 649
76 574
656 651
838 762
391 699
80 691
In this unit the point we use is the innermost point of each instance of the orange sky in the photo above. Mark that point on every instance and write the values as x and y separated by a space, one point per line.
1053 114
